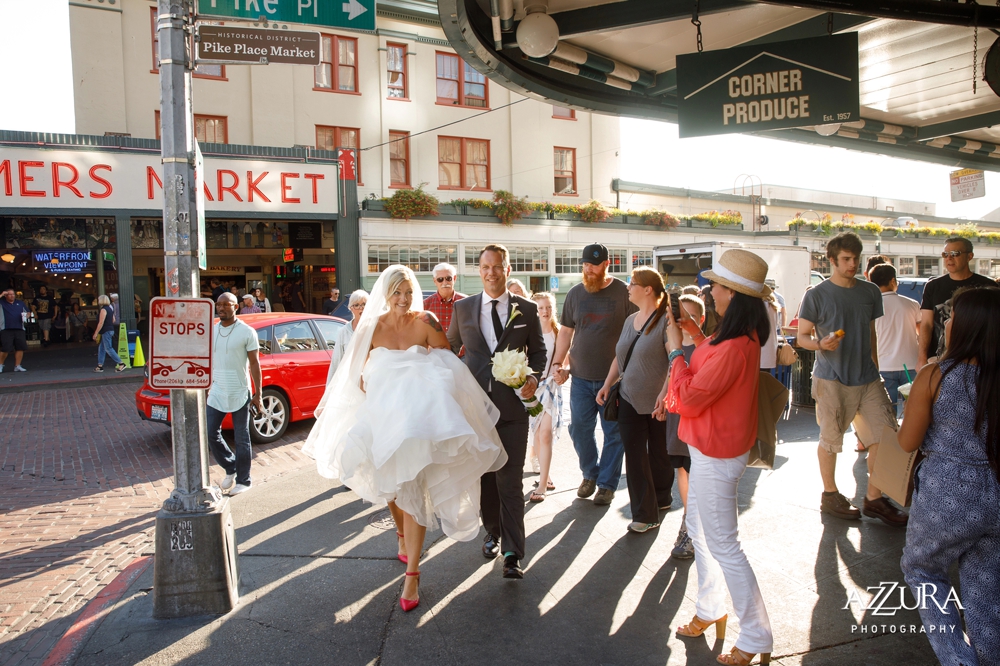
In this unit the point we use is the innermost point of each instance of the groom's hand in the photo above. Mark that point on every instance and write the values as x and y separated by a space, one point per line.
528 390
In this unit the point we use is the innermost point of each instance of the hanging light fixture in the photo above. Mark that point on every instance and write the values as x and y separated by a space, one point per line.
828 129
9 258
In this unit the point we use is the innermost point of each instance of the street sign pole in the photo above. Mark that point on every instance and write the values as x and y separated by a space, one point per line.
195 564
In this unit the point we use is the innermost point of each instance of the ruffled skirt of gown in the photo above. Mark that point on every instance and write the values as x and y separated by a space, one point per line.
423 436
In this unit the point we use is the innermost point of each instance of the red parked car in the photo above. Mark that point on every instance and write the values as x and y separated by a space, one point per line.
295 350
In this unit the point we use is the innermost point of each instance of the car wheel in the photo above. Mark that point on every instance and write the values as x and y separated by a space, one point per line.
272 423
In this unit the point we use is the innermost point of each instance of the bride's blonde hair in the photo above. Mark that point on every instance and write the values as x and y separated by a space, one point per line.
396 275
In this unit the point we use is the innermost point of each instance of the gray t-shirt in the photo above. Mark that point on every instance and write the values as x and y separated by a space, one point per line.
647 368
596 320
832 308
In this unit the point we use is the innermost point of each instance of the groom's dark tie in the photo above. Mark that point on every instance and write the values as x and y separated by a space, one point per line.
497 326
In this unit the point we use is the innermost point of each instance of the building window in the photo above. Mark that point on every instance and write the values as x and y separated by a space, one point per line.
332 138
458 84
396 74
563 113
463 164
642 258
217 72
399 159
928 266
905 266
419 258
565 170
991 266
820 264
522 259
338 67
568 260
619 262
211 129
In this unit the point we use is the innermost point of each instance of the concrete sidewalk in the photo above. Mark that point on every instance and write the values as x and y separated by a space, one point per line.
320 583
63 365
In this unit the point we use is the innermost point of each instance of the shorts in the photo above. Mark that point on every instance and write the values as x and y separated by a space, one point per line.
678 462
45 324
13 340
868 406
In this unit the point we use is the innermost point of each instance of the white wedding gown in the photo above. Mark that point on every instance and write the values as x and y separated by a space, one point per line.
423 435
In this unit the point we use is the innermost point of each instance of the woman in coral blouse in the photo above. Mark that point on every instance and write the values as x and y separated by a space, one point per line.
716 397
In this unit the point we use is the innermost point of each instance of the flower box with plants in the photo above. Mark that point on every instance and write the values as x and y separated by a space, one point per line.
658 218
715 219
406 204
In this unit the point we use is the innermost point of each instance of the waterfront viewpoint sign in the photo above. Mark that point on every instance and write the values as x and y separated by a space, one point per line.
357 14
75 179
798 83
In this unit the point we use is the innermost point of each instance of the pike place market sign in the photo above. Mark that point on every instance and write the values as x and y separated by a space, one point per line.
769 86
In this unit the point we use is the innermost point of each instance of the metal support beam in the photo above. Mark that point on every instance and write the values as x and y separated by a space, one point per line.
958 126
925 11
633 13
126 294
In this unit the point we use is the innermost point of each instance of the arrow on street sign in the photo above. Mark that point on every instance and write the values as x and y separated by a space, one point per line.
354 9
357 14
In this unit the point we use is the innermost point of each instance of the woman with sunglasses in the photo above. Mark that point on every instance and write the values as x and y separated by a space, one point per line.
356 304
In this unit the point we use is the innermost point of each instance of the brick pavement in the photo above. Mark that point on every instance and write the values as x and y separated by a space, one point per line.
81 479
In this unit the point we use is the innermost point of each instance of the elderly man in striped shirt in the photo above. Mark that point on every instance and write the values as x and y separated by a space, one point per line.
442 303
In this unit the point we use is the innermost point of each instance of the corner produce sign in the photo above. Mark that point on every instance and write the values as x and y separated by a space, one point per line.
358 14
769 86
180 347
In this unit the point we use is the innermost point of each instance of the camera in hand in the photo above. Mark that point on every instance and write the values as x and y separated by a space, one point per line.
675 302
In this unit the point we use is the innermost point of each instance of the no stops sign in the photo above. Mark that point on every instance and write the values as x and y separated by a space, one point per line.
180 346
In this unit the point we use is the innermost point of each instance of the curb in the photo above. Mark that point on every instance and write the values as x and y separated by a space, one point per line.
70 383
67 649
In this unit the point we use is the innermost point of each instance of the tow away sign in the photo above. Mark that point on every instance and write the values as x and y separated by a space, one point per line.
180 347
967 184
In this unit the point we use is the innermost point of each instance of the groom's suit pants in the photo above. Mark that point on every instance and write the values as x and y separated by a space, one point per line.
502 501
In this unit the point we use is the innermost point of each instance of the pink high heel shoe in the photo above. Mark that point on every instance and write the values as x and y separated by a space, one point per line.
409 604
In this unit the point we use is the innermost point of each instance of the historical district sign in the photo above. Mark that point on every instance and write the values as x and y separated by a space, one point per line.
769 86
358 14
967 184
257 45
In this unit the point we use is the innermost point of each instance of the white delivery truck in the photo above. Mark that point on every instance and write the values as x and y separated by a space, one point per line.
787 265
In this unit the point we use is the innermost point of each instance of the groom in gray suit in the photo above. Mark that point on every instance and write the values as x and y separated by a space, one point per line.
484 324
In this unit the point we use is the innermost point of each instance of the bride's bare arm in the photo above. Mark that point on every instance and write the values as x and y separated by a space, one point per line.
436 339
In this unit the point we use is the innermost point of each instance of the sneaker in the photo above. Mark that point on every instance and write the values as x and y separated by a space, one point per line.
666 507
238 488
536 466
227 483
884 511
683 547
18 368
837 505
586 488
604 496
639 528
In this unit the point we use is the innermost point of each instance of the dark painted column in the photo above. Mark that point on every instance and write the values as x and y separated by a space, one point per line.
347 241
123 233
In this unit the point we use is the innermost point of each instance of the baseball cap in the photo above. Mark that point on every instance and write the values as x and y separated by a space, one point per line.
247 297
595 253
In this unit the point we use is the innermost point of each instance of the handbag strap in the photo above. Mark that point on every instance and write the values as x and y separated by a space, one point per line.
632 346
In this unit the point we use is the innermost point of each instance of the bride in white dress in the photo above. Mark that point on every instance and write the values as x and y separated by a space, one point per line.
404 422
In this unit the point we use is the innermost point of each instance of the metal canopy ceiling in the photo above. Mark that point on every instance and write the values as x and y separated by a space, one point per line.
916 82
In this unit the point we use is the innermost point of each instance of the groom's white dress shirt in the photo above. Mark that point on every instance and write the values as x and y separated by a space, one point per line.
486 317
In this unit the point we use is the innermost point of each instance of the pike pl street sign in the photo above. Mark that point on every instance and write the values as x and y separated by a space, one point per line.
779 85
257 45
356 14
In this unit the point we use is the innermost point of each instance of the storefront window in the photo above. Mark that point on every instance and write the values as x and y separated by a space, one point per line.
245 234
419 258
147 234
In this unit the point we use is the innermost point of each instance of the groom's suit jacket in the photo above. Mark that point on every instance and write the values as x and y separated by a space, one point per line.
522 332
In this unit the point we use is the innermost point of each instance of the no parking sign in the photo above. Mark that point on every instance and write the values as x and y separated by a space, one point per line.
180 347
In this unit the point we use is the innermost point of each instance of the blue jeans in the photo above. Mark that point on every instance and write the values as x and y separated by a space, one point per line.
584 411
106 348
893 379
237 463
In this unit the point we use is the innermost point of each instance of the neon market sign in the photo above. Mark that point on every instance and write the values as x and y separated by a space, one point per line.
65 261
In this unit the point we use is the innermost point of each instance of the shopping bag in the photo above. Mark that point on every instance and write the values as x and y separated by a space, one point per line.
893 470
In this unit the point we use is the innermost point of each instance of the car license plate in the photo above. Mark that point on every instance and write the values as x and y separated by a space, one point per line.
159 413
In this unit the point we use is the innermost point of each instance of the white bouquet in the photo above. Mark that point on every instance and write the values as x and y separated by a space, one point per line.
511 369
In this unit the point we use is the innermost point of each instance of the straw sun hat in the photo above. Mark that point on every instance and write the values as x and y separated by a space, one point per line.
741 271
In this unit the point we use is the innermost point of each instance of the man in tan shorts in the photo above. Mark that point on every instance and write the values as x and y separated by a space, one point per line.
837 320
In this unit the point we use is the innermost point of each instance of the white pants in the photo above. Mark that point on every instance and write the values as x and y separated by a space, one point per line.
721 563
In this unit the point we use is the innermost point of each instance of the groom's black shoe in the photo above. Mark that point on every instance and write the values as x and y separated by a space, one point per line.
512 568
491 546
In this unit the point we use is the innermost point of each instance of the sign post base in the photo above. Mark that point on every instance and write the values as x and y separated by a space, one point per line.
195 571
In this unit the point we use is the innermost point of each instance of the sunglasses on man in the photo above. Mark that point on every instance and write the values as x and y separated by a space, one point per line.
444 279
953 254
